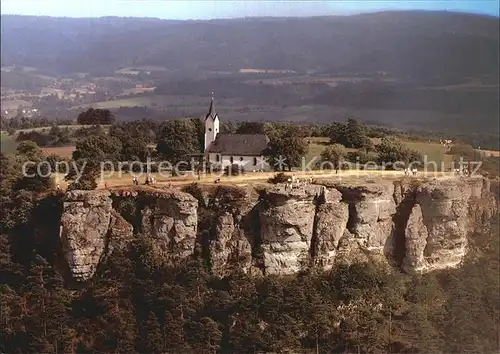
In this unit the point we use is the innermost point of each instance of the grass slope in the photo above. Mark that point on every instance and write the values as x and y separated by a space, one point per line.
8 144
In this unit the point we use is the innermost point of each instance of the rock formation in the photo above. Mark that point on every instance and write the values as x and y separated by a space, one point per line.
415 240
418 225
372 207
120 232
84 226
229 248
444 213
286 224
170 219
331 224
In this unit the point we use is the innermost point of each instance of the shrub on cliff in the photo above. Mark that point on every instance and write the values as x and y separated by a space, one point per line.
86 182
195 190
278 178
228 198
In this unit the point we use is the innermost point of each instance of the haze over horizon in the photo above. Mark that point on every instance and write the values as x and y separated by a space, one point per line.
209 9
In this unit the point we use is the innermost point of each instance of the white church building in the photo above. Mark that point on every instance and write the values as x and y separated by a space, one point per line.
223 149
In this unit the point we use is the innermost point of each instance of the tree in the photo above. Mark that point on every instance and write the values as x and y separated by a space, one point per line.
16 209
209 334
87 181
29 150
96 117
178 139
355 133
36 172
10 172
49 301
250 128
199 127
424 301
391 150
116 319
228 127
55 131
53 159
351 135
134 149
286 148
98 148
362 157
467 151
463 153
334 154
152 335
337 132
39 138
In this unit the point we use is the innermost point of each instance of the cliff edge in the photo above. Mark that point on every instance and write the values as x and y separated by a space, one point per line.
416 225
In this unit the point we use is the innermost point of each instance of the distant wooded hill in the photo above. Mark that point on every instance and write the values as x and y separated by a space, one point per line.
416 45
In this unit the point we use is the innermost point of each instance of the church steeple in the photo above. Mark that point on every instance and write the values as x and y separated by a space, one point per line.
211 124
211 111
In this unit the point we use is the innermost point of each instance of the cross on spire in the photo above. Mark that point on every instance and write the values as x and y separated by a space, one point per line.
211 110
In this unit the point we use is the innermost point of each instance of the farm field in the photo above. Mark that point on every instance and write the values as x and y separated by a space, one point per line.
149 100
65 152
433 152
14 104
135 69
9 143
70 127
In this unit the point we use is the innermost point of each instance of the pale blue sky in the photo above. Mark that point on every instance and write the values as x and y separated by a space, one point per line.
191 9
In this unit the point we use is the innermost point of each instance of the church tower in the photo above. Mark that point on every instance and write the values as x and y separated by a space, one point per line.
211 124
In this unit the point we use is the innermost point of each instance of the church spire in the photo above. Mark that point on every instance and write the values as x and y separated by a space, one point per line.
211 110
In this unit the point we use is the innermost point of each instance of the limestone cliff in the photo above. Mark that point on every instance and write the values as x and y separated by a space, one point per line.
286 224
444 213
84 226
332 215
418 225
170 219
229 244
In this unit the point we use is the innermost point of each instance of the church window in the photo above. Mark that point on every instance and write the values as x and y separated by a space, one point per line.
231 159
255 161
217 157
241 158
209 129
